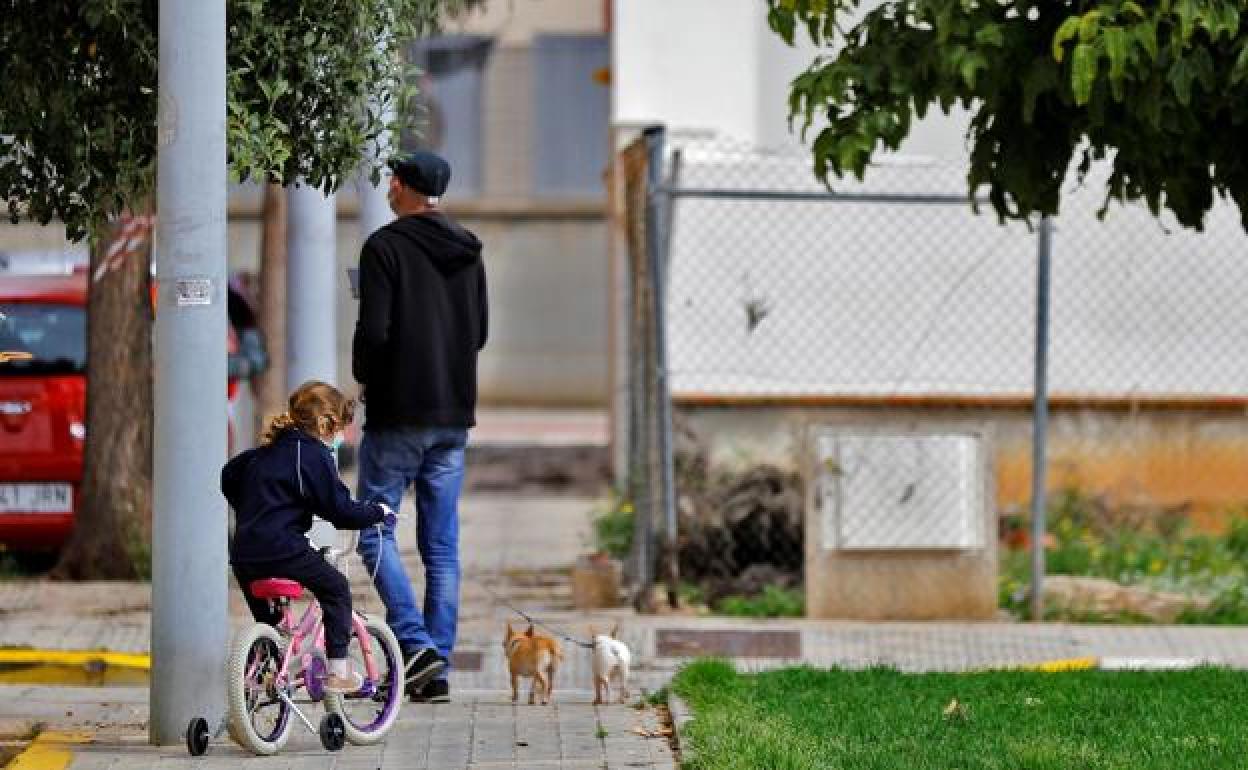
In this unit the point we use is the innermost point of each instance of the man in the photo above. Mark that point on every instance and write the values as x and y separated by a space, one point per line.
423 319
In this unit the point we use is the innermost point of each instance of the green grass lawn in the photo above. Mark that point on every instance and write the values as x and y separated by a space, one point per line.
806 718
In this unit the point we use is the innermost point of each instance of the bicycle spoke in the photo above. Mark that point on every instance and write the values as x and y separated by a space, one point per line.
262 671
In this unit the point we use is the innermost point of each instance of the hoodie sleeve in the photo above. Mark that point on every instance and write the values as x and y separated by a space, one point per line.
328 497
483 306
372 330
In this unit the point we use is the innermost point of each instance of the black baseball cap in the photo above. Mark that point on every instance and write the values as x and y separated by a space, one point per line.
425 172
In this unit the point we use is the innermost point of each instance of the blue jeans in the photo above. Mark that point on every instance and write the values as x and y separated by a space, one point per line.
432 459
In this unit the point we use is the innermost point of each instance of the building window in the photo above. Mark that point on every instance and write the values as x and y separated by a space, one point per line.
572 106
451 103
515 122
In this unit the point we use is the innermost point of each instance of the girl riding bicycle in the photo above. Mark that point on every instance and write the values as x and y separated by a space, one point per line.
274 490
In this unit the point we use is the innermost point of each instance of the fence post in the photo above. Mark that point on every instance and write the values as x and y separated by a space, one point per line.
633 161
1040 420
658 222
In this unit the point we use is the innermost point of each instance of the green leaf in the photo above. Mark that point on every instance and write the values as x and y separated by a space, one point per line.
1146 37
1186 11
1118 48
1240 71
1089 25
1083 72
990 34
1065 33
1230 19
971 64
1180 77
783 22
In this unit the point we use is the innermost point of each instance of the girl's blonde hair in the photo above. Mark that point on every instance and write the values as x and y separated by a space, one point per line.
316 408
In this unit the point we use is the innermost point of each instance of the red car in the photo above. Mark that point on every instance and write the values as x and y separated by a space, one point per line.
42 408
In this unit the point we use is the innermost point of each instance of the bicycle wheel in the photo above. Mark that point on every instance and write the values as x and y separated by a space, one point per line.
367 716
258 720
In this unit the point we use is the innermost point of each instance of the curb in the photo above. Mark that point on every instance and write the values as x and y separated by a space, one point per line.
681 717
49 751
73 667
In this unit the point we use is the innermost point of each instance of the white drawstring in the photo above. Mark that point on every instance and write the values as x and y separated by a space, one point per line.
299 463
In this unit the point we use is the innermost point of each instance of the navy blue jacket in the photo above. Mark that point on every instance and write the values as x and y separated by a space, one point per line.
274 491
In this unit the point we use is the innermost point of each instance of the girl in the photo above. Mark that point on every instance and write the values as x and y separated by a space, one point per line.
274 490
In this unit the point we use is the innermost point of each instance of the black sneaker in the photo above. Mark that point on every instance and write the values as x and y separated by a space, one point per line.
436 691
421 666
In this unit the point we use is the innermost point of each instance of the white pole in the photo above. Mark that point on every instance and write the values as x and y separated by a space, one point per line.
375 210
189 583
311 300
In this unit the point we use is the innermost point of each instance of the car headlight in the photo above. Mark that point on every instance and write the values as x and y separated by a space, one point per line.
77 430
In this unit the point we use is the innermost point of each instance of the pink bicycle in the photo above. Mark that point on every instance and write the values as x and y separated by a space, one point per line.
272 670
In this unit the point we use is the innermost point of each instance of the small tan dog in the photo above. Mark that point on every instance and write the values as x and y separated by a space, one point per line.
535 655
611 660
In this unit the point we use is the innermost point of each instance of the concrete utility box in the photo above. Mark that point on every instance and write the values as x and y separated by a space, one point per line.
900 524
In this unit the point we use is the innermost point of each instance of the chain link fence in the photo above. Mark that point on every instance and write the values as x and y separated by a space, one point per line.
852 374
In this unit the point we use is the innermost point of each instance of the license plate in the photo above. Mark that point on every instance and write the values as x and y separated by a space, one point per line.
36 498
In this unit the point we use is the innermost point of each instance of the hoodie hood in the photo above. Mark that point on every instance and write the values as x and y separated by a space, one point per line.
449 246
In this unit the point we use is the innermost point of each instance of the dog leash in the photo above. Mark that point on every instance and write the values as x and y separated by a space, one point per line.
493 594
532 620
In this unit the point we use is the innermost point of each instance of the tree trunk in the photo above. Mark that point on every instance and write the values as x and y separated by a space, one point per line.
270 387
113 528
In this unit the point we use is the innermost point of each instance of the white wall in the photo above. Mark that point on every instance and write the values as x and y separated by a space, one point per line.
715 65
691 64
778 64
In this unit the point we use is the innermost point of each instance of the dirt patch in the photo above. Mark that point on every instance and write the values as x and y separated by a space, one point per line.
740 531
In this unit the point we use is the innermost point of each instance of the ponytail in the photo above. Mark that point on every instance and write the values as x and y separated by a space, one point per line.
277 424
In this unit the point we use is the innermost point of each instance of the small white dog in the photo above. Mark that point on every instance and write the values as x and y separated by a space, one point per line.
611 659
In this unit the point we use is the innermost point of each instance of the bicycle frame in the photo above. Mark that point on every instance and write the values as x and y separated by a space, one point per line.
310 626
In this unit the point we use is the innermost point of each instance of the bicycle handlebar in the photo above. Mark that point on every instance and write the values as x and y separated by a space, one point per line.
338 556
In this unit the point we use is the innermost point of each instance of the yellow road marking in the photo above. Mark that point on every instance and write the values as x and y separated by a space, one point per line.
1065 664
75 658
49 751
75 667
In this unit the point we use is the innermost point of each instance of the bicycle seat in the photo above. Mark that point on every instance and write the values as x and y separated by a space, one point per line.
275 588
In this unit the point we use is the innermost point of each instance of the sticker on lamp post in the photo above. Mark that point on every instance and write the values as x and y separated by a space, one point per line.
193 291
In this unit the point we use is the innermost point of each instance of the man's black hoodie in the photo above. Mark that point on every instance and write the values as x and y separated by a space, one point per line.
275 489
423 318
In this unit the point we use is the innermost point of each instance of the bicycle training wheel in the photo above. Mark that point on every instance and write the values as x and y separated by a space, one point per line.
258 720
368 715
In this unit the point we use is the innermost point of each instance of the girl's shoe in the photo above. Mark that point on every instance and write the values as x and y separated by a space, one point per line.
344 685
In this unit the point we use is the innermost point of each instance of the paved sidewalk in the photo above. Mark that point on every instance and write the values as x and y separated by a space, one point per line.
481 731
